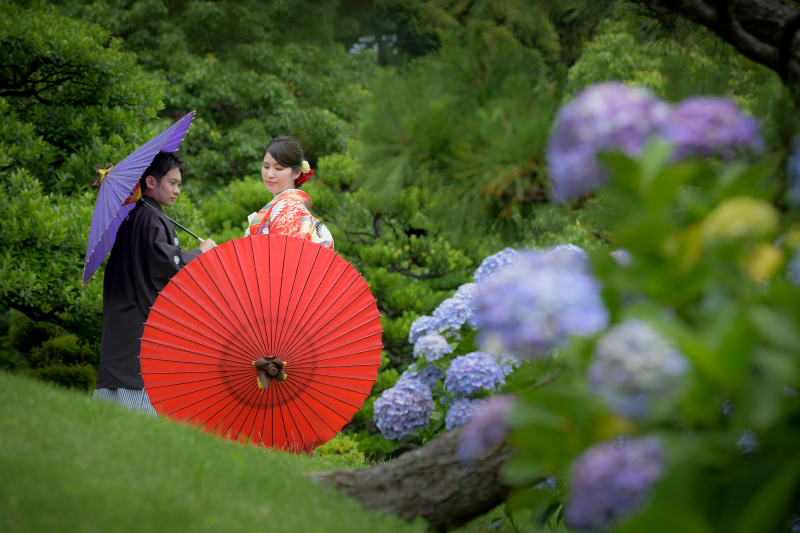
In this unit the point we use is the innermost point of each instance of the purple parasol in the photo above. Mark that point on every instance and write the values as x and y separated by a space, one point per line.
119 191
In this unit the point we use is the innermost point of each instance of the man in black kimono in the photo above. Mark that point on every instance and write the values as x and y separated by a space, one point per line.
146 254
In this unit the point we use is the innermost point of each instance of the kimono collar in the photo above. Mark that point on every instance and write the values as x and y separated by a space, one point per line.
293 193
151 201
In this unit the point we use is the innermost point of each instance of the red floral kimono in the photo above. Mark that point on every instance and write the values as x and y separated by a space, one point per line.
287 214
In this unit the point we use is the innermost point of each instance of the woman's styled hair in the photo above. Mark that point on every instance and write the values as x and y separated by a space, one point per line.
286 151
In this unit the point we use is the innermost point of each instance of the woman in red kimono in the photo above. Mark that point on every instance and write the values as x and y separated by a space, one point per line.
284 171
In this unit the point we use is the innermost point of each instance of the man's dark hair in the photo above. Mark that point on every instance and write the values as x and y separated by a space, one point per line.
162 163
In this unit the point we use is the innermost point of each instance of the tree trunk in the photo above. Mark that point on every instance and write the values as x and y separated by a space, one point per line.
430 482
763 30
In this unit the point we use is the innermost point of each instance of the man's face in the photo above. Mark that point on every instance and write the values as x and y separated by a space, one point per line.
167 192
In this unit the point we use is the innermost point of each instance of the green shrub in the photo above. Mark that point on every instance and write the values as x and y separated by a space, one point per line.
343 446
25 334
81 377
66 350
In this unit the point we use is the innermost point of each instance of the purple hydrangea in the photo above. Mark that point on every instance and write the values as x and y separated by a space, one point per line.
402 409
424 325
748 442
605 117
474 372
453 313
705 127
428 376
612 480
494 263
432 347
487 428
509 362
538 304
634 367
461 411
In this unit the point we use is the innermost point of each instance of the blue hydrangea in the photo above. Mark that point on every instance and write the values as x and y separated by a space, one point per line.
569 249
793 268
612 480
453 313
789 392
748 442
494 263
466 292
428 376
474 372
509 362
488 427
621 256
538 304
707 126
634 368
432 347
424 325
604 117
793 524
461 411
403 409
726 406
548 484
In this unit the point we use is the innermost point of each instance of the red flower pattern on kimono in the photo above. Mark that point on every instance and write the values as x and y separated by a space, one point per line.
287 214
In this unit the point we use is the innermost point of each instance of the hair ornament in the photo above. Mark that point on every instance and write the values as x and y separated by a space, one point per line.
305 173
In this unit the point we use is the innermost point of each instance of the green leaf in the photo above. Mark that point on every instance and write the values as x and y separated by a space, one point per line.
767 509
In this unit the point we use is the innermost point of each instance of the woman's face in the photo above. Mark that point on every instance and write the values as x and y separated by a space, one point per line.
277 178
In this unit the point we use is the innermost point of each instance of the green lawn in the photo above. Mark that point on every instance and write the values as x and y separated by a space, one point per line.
70 464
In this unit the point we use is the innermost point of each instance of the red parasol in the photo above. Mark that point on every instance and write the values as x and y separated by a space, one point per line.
239 318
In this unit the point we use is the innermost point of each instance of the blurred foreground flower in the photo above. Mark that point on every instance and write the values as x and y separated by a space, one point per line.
432 347
461 411
509 362
606 117
612 480
707 127
742 217
403 408
634 368
540 302
486 428
494 263
473 373
748 442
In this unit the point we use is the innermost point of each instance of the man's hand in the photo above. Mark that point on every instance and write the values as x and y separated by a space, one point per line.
206 245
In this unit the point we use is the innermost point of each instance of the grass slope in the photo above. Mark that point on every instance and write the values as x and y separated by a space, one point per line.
70 464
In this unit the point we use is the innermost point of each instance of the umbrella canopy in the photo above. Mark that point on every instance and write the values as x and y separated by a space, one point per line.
119 191
268 339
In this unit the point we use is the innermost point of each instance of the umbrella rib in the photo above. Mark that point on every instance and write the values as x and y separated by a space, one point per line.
243 357
335 387
296 324
297 362
183 350
297 349
312 353
233 336
346 420
258 287
262 336
241 306
255 416
280 291
232 399
278 393
307 373
193 392
234 333
299 397
243 330
174 384
319 308
289 300
307 422
254 391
